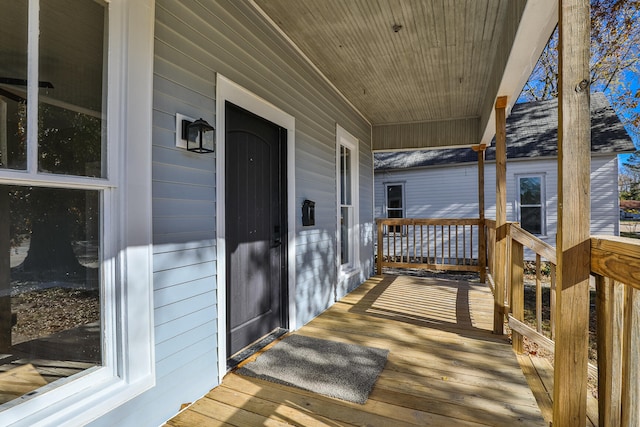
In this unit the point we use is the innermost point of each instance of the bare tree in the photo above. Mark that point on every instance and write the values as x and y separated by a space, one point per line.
615 54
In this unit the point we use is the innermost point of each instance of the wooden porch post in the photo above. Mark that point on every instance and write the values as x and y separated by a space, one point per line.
501 216
482 240
573 244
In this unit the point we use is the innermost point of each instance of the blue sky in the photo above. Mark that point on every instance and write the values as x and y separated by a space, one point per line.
634 82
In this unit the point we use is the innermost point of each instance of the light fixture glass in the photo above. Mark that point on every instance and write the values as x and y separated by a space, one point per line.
200 136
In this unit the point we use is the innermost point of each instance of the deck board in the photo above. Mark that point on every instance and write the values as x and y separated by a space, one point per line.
542 371
445 367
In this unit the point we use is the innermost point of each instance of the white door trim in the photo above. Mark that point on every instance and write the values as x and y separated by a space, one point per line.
227 90
346 272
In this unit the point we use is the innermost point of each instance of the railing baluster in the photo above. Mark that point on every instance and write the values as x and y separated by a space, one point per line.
538 296
517 291
471 246
421 245
631 358
609 306
456 238
407 240
388 243
442 243
403 237
414 244
380 243
395 251
428 244
449 243
464 246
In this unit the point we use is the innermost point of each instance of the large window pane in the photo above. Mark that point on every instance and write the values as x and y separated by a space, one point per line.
531 219
394 197
345 175
13 84
345 219
530 191
394 206
71 102
50 325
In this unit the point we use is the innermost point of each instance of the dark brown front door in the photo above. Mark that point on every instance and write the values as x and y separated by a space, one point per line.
255 209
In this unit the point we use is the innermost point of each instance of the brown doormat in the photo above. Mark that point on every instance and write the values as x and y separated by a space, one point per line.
344 371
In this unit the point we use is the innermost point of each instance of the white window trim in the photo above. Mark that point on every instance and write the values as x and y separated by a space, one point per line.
386 199
543 199
344 138
227 90
128 310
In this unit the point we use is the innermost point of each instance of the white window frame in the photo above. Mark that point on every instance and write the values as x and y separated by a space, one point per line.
543 200
345 139
127 289
386 199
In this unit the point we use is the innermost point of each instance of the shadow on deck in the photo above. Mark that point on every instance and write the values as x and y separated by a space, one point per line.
445 367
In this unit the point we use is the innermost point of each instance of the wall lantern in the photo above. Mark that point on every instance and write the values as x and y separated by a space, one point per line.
200 136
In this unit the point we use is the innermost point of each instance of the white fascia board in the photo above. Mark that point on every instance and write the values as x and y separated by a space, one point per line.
539 19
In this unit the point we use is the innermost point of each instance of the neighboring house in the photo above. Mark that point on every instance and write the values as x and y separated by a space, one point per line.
172 260
443 183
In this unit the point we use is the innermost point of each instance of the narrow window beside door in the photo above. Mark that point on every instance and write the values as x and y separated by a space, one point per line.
346 207
347 160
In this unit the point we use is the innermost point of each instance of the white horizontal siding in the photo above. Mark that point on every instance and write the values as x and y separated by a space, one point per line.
184 356
605 205
452 192
143 411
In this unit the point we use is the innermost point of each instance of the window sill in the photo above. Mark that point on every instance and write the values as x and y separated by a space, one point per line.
347 272
87 399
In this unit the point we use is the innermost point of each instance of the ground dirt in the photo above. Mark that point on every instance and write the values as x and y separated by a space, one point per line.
40 313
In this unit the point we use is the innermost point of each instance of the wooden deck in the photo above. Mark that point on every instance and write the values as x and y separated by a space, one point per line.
445 367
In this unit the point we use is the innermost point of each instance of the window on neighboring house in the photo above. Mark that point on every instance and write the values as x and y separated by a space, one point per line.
348 197
395 204
531 203
60 246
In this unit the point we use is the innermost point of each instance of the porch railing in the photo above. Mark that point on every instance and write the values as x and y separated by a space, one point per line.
615 264
454 244
438 244
519 240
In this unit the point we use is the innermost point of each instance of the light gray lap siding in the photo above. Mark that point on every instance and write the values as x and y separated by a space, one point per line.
193 42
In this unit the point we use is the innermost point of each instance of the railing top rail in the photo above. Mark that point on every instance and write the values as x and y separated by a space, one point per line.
532 242
428 221
617 258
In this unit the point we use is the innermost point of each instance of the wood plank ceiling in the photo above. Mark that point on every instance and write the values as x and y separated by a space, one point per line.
399 61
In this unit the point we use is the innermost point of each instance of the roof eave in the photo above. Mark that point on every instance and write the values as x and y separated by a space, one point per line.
539 19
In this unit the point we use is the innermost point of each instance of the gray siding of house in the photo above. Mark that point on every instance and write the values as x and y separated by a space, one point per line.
438 134
452 192
193 42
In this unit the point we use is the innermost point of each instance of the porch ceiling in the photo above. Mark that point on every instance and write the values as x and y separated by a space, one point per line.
431 82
